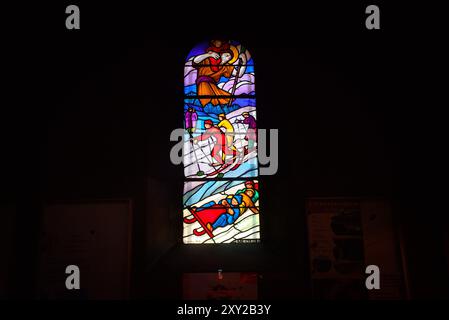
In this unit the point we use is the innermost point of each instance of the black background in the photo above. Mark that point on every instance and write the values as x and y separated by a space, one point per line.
92 110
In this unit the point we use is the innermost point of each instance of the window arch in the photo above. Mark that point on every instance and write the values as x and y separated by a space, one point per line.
221 188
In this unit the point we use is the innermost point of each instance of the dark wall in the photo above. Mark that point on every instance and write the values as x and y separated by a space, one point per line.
113 141
113 93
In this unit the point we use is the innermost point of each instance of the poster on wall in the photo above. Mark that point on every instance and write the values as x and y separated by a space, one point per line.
345 235
335 248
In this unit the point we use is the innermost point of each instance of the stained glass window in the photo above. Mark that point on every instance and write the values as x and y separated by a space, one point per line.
221 192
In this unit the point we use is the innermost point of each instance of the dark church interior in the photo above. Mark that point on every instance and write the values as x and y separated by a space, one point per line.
88 180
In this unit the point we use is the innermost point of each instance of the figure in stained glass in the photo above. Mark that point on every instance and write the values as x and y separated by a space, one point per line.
219 149
217 62
251 133
190 120
228 128
224 212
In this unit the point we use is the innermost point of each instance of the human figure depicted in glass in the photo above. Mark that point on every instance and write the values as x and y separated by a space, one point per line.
214 64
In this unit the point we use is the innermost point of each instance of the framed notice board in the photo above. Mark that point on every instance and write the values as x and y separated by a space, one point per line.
345 235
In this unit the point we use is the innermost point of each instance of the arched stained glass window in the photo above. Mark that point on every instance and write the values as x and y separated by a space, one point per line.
221 190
